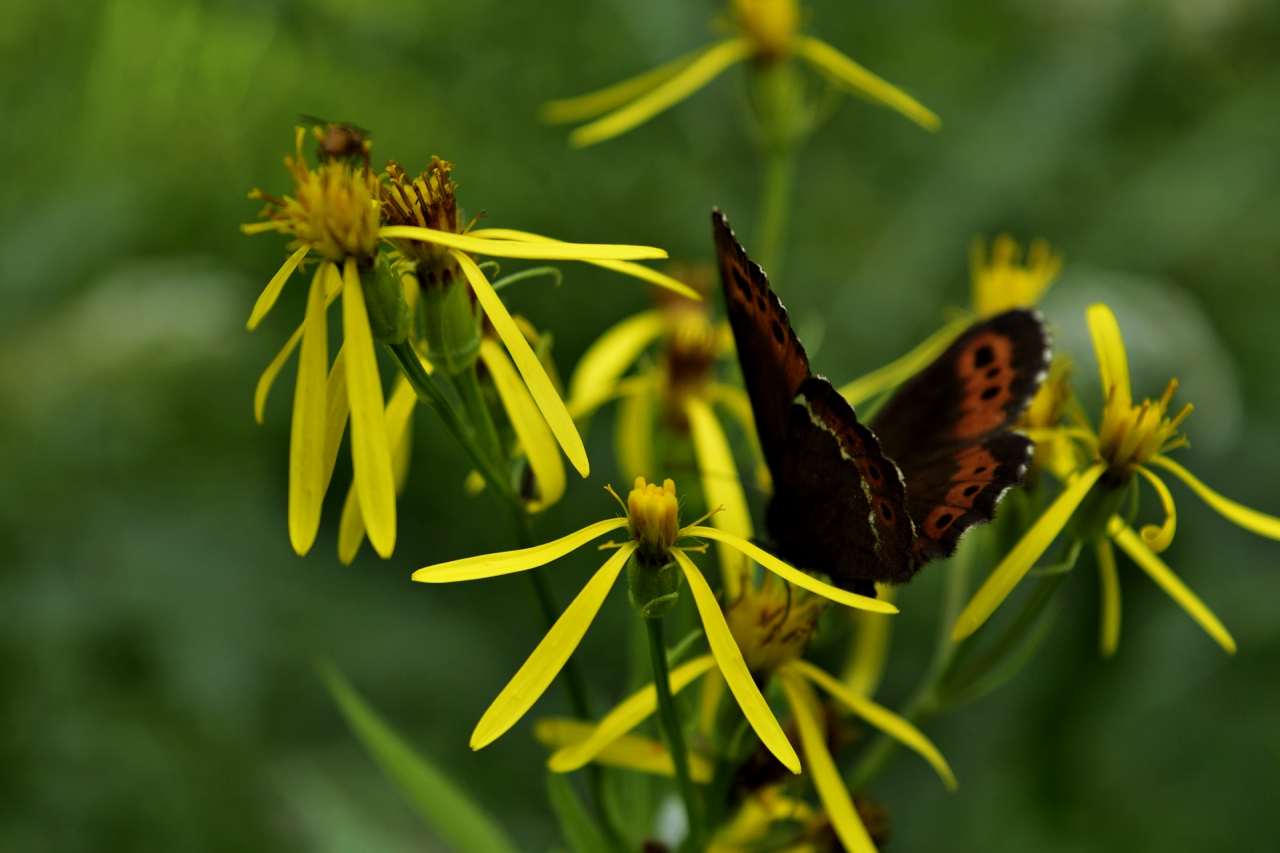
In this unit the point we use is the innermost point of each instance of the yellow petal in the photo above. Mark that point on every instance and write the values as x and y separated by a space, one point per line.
587 106
681 85
506 562
1023 556
272 291
625 267
628 714
337 409
612 355
870 647
729 658
822 769
863 83
787 573
370 452
551 654
631 752
273 369
1109 585
1164 577
1113 364
896 372
881 717
722 488
633 432
350 527
1250 519
535 377
550 251
531 430
1160 538
306 435
709 702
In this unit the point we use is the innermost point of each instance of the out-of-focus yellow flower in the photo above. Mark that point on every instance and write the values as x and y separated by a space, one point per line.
771 625
651 524
1131 441
1000 282
765 32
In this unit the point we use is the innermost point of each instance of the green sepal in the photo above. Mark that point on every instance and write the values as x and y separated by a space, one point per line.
389 314
452 327
653 587
1104 500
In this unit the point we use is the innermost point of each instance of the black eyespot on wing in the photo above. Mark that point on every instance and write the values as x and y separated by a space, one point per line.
984 356
991 392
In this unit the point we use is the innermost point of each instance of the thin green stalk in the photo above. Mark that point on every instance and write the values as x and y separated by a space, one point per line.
775 207
673 734
468 385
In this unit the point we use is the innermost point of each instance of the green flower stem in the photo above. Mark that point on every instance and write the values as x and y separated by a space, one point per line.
673 734
468 385
775 207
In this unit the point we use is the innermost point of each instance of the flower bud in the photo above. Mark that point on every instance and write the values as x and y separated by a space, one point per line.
653 577
389 315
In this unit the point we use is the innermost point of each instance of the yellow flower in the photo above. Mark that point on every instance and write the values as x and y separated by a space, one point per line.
655 527
1054 451
771 626
810 829
337 210
683 382
1132 440
765 32
999 282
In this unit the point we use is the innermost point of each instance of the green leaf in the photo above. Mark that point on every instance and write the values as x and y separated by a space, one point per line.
580 831
462 824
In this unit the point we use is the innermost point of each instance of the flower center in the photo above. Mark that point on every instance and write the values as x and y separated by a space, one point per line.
1131 435
654 515
769 24
427 201
1002 282
773 624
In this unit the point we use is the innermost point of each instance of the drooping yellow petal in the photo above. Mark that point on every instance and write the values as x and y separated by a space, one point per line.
613 353
306 433
337 406
879 716
738 405
631 752
787 573
537 673
535 377
1023 556
633 431
822 768
399 416
625 267
1173 586
272 291
896 372
1113 363
552 250
370 451
628 714
583 107
698 73
722 488
506 562
1250 519
531 430
333 288
1109 585
1158 538
865 666
861 82
736 675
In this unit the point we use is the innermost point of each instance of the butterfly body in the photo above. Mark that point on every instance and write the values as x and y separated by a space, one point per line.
866 503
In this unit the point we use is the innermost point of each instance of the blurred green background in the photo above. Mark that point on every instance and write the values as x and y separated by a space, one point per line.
157 633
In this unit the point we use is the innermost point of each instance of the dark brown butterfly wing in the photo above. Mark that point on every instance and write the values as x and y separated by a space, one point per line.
838 506
948 428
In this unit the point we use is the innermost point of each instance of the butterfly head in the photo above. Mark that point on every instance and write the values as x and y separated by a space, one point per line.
773 623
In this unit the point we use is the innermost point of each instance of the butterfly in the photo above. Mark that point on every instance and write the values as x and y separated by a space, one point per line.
875 502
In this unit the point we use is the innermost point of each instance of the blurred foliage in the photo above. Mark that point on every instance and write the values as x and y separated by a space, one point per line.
156 630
